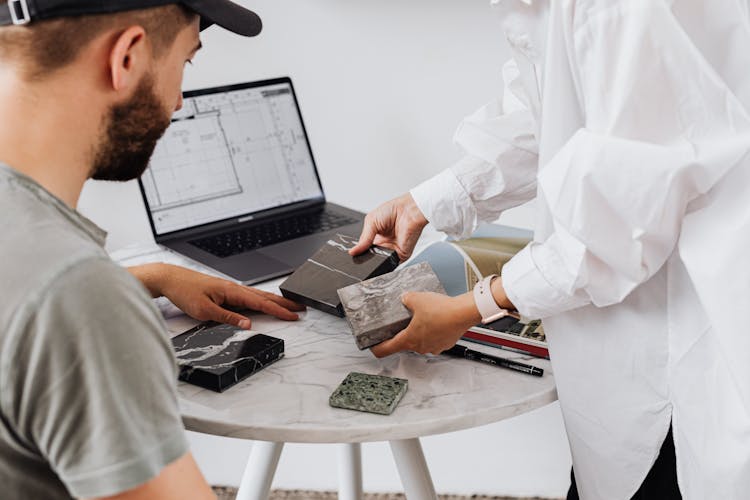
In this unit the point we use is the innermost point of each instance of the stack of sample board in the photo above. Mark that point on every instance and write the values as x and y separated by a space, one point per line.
365 289
315 282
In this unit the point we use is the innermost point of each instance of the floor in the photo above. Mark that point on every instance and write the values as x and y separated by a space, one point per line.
229 494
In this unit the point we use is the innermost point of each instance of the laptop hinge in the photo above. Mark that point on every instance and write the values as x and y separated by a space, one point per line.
19 17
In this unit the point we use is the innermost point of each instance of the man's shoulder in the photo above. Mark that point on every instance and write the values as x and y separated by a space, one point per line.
93 314
90 352
92 276
87 287
42 246
85 298
32 266
38 232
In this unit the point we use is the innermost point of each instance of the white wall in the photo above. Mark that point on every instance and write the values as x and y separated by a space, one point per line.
382 85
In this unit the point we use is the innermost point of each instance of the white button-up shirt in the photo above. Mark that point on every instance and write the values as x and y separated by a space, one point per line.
628 121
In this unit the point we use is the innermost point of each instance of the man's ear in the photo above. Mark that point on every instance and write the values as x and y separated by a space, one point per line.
129 58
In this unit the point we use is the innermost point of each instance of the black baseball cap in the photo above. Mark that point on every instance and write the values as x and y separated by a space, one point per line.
226 14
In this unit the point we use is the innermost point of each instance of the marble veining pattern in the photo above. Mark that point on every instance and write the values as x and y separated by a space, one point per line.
188 350
316 281
374 308
346 243
218 356
290 401
332 269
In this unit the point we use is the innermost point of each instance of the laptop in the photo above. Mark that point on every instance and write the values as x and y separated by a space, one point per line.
233 184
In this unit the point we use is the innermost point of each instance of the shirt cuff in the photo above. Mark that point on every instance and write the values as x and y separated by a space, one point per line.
446 205
532 285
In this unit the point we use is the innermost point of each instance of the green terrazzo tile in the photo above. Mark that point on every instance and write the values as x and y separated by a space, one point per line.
370 393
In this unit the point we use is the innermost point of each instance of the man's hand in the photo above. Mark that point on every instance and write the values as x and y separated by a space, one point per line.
438 322
396 224
202 296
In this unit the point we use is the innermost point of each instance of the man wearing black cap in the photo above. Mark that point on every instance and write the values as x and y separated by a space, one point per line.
88 406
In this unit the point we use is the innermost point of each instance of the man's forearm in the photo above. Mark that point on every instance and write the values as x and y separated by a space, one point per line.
152 276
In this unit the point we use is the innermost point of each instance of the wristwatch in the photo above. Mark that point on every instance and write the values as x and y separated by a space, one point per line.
488 308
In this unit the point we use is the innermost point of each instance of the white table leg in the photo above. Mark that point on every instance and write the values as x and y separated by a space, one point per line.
350 471
259 471
412 467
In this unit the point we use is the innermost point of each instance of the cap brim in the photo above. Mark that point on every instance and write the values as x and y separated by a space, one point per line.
226 14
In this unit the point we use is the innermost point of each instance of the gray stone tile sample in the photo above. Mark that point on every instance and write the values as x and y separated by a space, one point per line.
374 308
217 356
370 393
315 282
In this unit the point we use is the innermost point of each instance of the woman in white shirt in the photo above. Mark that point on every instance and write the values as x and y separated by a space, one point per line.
628 121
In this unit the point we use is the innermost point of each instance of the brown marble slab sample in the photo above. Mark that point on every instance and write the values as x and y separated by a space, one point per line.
315 282
374 309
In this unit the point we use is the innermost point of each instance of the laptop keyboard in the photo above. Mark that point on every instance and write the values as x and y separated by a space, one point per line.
263 235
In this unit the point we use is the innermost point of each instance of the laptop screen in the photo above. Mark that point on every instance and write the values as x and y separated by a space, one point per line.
230 152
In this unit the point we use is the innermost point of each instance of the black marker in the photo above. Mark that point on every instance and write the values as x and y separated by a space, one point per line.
460 351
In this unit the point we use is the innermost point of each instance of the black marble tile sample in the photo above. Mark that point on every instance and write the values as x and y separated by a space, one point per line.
374 308
217 356
315 282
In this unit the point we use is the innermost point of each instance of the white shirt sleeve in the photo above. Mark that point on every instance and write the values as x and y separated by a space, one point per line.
661 129
498 171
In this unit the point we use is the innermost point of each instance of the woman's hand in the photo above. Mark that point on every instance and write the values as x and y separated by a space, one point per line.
438 322
396 224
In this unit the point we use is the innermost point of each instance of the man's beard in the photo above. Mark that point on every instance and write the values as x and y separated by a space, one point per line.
131 131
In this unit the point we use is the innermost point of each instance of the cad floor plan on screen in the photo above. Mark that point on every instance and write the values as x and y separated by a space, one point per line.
227 154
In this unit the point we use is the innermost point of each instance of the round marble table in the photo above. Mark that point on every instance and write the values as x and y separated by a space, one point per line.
288 402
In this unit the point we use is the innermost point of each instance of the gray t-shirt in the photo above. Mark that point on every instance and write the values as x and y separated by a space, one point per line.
88 403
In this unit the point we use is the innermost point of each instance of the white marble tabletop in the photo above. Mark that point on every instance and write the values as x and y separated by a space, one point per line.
288 401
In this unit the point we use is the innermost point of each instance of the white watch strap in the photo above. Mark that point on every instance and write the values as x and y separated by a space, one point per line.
488 308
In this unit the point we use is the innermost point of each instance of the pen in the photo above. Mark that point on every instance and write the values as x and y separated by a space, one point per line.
460 351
